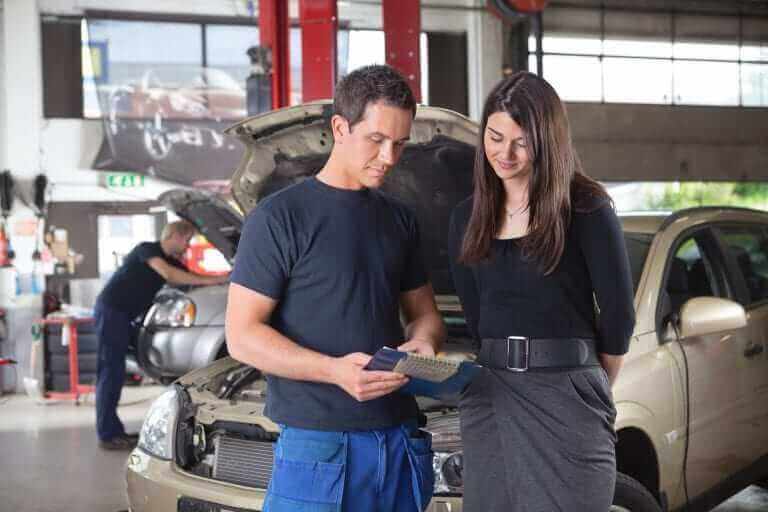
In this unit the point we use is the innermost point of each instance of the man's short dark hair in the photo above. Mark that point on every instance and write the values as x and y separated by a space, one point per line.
370 84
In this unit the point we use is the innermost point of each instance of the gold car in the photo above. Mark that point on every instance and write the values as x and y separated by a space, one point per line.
692 413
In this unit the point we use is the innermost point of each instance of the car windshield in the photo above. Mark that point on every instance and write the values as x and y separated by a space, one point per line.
637 249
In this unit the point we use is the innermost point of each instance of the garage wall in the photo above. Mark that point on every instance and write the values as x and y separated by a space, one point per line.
661 143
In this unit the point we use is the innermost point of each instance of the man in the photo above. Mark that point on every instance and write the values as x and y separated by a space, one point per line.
128 293
323 269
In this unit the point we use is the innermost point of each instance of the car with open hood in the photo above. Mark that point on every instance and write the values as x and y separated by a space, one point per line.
692 421
184 327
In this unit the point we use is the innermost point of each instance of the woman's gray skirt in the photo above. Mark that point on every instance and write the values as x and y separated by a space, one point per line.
539 441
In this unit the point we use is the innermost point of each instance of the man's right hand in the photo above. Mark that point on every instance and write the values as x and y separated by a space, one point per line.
364 385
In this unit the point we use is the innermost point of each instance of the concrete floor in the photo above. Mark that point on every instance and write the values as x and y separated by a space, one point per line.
50 461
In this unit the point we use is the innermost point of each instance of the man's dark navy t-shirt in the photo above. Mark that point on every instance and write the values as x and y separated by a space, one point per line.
336 261
133 286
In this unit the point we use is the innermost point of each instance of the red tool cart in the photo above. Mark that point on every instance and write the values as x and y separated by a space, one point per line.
69 324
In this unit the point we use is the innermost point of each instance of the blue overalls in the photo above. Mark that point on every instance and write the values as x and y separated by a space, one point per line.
359 471
114 330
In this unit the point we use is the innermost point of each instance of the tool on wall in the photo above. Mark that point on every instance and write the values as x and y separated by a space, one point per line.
6 205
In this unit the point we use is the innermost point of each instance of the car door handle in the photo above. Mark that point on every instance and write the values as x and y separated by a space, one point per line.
753 350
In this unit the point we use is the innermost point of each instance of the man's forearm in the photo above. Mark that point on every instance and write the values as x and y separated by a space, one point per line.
271 352
178 276
430 328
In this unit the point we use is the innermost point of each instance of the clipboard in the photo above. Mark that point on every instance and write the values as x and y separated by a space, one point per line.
429 376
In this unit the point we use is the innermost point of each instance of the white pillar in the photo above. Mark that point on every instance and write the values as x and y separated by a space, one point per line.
21 91
484 57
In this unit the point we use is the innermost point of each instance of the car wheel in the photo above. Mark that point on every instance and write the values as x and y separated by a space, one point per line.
632 496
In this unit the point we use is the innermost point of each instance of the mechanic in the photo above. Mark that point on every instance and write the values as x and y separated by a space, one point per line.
323 270
127 294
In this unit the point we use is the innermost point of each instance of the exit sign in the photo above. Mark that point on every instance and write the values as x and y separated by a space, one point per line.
125 180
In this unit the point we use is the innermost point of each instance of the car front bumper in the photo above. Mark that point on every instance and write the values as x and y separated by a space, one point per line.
155 485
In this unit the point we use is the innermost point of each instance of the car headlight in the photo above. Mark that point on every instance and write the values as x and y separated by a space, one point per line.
156 436
449 472
174 311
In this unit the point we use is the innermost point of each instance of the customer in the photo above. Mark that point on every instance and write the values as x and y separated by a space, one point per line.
127 294
541 269
322 272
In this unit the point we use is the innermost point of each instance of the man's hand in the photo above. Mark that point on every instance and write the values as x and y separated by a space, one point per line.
419 346
224 279
362 384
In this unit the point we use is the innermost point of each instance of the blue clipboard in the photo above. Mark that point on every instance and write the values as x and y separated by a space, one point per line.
386 359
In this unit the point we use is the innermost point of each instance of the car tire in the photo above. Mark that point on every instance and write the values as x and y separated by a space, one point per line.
632 496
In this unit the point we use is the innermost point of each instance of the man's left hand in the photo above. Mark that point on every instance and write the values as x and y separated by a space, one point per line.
419 346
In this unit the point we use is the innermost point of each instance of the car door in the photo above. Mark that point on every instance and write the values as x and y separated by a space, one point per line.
717 403
747 248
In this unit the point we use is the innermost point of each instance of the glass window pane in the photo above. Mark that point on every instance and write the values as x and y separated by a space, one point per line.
754 53
226 47
748 248
754 85
637 80
706 83
574 78
706 51
575 45
533 64
365 47
637 48
531 44
135 56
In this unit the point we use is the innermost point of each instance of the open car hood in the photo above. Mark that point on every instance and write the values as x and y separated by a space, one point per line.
286 146
216 219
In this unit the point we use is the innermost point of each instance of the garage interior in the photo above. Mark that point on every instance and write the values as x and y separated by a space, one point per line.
101 120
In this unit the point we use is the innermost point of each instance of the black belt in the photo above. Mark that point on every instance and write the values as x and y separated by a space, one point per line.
520 354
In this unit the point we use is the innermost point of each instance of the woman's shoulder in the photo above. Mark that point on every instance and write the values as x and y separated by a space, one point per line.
589 197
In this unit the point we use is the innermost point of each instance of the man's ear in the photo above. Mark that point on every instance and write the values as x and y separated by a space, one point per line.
340 128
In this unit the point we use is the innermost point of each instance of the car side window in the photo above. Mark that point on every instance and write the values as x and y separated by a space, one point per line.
748 246
692 272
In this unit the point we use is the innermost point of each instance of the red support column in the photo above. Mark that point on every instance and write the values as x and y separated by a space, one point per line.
319 24
402 30
273 33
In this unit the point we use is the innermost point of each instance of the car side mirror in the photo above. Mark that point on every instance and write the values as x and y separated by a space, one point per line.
708 315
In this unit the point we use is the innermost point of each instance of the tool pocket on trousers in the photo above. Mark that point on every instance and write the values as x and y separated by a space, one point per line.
305 487
421 455
309 471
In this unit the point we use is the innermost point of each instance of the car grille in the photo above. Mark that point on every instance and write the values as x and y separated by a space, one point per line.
243 462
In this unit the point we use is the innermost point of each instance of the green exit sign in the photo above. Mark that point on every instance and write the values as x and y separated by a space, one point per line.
125 180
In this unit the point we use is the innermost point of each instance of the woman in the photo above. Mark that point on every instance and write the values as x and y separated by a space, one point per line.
541 269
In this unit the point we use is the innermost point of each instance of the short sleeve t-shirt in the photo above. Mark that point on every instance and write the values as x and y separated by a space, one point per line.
133 286
336 261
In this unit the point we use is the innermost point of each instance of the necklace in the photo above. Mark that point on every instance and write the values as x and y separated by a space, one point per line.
513 213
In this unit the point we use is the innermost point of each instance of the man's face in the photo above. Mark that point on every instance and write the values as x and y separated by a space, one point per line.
179 244
373 145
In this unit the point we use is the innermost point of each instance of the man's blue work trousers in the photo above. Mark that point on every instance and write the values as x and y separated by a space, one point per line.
369 471
114 330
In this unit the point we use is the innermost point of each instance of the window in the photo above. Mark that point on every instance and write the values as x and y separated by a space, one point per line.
118 235
656 64
129 69
749 248
691 274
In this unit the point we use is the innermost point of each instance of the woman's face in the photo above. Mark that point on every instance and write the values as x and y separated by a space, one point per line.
506 147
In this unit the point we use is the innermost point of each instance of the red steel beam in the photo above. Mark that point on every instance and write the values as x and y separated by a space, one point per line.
319 24
402 29
273 34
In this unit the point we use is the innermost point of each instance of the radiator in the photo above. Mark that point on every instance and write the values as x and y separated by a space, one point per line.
243 462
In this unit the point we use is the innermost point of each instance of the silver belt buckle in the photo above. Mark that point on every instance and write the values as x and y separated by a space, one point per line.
526 344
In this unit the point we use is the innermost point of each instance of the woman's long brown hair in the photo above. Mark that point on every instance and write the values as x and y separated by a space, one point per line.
557 179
